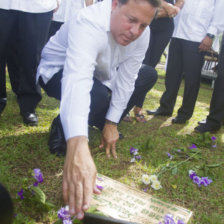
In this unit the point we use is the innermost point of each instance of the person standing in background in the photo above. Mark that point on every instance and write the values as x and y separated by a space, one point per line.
161 30
216 112
25 24
195 28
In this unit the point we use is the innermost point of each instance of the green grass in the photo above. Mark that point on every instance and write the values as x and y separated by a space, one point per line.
23 148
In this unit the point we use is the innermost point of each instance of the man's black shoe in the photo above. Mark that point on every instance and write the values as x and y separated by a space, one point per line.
57 141
3 102
179 120
202 128
30 118
158 112
204 122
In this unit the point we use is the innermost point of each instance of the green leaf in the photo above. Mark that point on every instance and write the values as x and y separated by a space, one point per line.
39 194
58 222
195 150
214 165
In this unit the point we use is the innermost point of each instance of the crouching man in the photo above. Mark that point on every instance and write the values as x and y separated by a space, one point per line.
91 65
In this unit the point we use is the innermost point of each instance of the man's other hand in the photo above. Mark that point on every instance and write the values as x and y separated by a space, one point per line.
206 44
109 138
79 176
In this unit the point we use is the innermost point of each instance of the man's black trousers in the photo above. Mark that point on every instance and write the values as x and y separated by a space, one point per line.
27 31
184 60
101 95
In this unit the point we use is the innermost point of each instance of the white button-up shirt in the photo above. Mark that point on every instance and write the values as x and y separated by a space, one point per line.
67 9
82 45
32 6
199 17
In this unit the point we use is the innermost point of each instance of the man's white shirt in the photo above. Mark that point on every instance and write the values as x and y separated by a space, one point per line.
31 6
199 17
82 45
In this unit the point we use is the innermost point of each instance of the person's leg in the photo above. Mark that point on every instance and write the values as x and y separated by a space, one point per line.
193 61
147 77
3 95
173 76
13 67
158 42
7 20
100 100
56 141
216 112
33 32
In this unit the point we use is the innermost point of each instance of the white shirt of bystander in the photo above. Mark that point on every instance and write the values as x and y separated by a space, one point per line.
198 18
31 6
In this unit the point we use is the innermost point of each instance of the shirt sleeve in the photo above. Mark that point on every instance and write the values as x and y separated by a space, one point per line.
217 23
125 80
85 41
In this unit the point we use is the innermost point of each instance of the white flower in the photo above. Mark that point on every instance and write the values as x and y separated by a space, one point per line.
153 178
132 160
156 185
135 152
146 179
191 172
67 208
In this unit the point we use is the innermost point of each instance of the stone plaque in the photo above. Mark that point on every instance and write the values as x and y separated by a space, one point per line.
122 202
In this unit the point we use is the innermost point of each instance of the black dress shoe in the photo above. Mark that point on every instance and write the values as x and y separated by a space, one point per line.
179 120
57 143
202 128
158 112
3 102
30 118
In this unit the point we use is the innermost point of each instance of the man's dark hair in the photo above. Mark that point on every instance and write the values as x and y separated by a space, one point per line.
154 3
6 206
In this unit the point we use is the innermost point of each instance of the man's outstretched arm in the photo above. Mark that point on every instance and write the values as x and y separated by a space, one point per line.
79 176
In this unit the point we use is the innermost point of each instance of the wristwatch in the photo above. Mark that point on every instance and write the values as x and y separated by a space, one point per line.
212 36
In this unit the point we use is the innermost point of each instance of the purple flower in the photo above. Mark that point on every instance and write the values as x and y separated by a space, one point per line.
38 175
35 184
213 138
169 155
193 146
145 189
99 187
20 193
192 174
197 180
205 181
180 222
63 214
178 150
168 219
133 150
138 157
214 146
